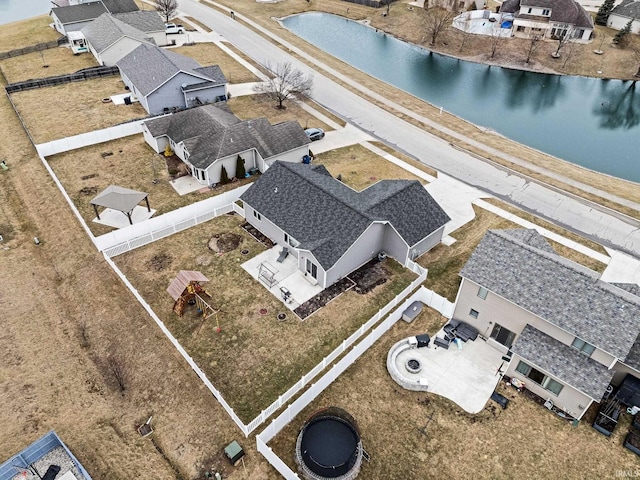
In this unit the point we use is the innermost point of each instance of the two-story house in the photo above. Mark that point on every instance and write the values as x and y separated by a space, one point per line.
549 19
569 333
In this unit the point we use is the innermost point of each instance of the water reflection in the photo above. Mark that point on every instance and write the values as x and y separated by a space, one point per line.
619 105
574 118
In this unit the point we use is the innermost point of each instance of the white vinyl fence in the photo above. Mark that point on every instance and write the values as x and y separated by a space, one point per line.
424 295
133 236
90 138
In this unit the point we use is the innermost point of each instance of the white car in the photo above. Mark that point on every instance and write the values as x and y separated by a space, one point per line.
173 28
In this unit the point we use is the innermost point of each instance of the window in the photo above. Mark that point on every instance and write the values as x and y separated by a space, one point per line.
257 215
529 10
312 269
520 28
583 347
290 240
474 313
546 12
502 335
540 378
482 293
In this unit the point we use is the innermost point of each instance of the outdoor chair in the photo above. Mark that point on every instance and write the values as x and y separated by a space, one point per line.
283 255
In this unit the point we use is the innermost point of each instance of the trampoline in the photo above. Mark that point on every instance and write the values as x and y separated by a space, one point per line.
329 446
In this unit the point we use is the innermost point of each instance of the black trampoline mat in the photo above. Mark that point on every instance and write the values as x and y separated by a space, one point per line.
327 447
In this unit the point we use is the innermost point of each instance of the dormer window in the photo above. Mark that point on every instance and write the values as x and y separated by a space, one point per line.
584 347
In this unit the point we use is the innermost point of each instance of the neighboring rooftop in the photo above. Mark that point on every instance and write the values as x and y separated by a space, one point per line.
106 30
628 8
87 11
326 216
563 362
144 20
48 451
562 11
556 289
148 67
211 132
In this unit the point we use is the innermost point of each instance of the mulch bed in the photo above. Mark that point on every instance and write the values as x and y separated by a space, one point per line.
362 280
257 234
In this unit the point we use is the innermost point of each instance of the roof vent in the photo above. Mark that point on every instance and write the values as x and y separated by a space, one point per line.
275 190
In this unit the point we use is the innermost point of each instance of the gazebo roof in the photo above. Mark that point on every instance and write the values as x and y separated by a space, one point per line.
184 278
119 198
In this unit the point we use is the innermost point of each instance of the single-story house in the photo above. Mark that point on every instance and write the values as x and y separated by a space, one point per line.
148 21
620 16
549 19
164 80
109 39
569 333
210 137
332 229
75 17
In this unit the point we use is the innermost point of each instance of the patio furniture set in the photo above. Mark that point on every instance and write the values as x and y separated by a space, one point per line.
456 330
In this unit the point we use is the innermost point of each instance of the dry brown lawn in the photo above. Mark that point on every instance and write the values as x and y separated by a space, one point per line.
210 54
64 110
25 33
255 357
523 441
64 313
407 25
255 106
59 61
359 168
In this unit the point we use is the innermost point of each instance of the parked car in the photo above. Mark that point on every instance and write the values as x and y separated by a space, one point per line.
314 133
173 28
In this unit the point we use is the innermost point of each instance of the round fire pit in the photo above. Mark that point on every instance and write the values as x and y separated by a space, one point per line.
413 366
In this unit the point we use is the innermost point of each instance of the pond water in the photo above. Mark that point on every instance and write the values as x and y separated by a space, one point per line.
14 10
591 122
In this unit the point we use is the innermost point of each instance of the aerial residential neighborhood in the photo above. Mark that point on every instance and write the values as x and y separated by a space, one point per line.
319 240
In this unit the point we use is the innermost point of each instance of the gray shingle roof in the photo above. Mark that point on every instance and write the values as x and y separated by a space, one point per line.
87 11
144 20
326 216
120 6
562 11
563 362
210 133
148 67
79 13
119 198
557 290
106 30
628 8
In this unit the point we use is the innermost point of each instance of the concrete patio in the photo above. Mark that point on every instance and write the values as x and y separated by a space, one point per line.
466 376
286 275
117 219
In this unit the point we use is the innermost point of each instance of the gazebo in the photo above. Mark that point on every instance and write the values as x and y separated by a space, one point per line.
121 199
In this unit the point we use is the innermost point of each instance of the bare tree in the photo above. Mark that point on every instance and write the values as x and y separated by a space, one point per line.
437 21
563 39
464 31
496 40
116 369
285 83
534 43
167 8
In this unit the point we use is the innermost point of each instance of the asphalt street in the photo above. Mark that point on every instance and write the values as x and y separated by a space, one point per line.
580 216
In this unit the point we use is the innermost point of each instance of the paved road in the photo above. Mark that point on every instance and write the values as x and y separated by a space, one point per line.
573 214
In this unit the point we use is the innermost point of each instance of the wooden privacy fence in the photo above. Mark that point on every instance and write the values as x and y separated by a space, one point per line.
33 48
79 76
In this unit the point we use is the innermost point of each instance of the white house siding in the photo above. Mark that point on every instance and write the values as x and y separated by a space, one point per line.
117 51
571 400
366 247
170 93
293 156
426 244
393 244
495 309
536 11
621 371
618 22
205 95
321 278
69 27
158 144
